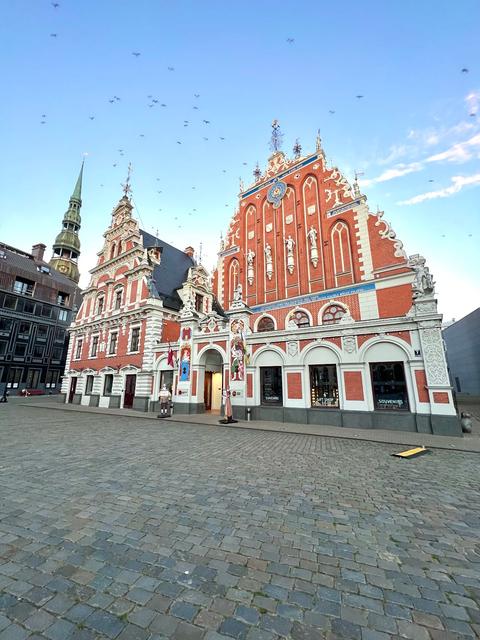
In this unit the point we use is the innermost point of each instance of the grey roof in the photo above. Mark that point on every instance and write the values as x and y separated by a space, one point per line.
23 263
172 271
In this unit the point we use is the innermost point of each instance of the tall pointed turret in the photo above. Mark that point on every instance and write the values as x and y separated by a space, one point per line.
66 247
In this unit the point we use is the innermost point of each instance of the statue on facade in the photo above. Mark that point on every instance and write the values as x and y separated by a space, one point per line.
312 236
237 294
268 261
290 244
250 268
423 285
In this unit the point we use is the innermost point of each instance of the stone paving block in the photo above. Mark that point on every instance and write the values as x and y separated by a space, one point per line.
39 621
106 623
276 624
249 615
183 610
234 628
412 631
164 624
14 632
60 630
132 632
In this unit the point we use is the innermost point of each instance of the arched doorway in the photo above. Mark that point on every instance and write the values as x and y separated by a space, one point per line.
212 364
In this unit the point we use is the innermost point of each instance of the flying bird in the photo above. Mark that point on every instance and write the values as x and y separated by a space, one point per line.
92 117
116 98
154 101
111 101
331 111
224 170
135 53
53 35
431 180
465 70
472 115
222 138
206 121
197 95
178 142
42 122
196 108
114 165
163 104
55 5
44 115
171 68
245 163
290 40
359 97
142 135
205 138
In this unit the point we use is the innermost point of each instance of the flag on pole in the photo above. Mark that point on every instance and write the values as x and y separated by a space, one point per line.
170 357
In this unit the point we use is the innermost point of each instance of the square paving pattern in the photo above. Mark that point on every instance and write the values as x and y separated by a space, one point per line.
129 529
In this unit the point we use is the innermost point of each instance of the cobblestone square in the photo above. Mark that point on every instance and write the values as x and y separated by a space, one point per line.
123 528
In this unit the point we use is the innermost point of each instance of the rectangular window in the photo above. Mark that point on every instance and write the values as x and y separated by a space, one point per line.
166 378
14 377
46 311
60 335
28 306
20 349
51 379
198 302
113 343
323 385
10 302
24 329
62 298
5 326
33 378
57 354
94 347
389 386
38 350
78 351
63 315
100 304
108 385
135 339
118 298
23 286
88 385
42 332
271 385
3 347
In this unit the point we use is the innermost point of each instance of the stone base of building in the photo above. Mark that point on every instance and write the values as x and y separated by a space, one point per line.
413 422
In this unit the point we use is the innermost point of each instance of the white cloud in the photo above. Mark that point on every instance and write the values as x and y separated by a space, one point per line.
459 182
396 172
473 102
460 152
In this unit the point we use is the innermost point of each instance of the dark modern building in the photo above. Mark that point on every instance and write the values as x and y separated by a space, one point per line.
462 340
37 304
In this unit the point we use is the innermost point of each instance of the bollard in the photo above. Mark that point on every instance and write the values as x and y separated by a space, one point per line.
466 422
249 414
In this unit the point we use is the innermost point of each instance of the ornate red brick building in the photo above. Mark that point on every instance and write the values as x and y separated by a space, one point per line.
315 314
328 321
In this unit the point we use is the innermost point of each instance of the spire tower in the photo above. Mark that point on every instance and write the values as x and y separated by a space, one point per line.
66 247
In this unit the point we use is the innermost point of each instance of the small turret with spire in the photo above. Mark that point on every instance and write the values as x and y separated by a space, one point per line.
66 248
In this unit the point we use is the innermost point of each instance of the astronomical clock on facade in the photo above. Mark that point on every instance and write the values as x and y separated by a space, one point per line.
314 314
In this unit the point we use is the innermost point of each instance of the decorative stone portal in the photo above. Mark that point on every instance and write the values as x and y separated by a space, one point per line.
211 369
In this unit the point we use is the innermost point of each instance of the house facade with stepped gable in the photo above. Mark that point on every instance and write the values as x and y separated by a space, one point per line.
326 320
131 306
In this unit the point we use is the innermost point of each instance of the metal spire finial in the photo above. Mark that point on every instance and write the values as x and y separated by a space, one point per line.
126 186
319 141
257 173
297 148
277 137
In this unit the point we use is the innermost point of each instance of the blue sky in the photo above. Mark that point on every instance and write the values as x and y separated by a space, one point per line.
412 134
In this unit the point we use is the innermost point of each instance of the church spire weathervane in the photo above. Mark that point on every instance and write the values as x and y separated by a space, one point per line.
126 186
277 137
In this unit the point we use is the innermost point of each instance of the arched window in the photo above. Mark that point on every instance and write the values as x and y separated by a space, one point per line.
333 314
300 318
342 254
119 248
118 298
266 324
100 304
233 277
112 251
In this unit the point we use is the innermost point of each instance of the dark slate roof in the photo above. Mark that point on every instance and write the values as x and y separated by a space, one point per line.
22 263
172 271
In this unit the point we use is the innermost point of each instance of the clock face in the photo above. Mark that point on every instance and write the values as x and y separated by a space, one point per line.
276 193
63 268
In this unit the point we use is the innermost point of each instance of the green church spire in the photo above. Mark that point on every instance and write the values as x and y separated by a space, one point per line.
77 192
66 248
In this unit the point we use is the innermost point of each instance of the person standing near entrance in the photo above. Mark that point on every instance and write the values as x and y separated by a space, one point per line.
164 397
